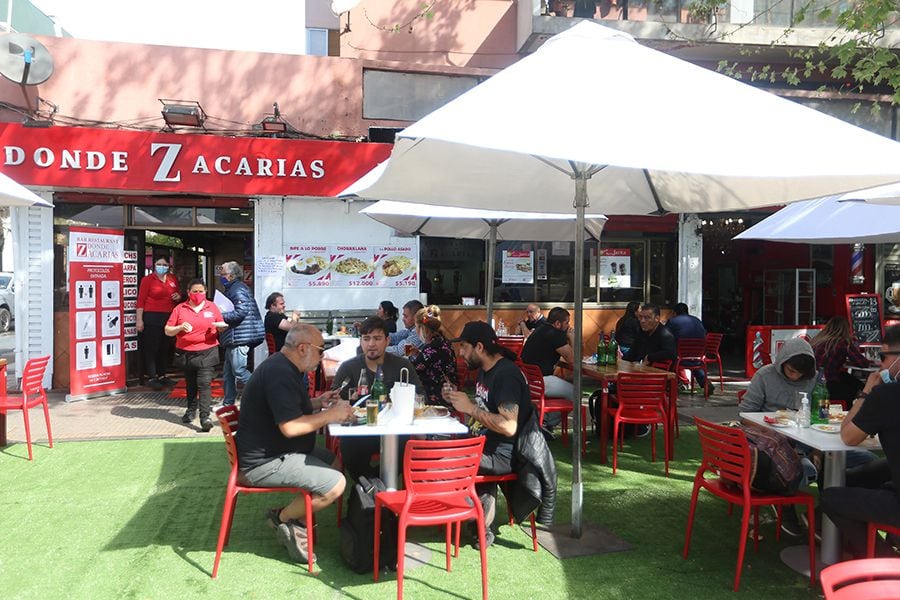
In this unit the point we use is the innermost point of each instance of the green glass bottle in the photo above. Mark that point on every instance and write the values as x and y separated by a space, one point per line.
379 392
601 349
819 405
613 349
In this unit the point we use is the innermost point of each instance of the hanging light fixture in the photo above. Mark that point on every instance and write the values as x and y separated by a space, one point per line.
274 123
182 113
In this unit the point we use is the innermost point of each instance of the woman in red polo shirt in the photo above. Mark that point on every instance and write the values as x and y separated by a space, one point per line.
157 296
195 325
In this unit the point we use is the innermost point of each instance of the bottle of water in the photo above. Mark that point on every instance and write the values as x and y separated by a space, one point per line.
804 418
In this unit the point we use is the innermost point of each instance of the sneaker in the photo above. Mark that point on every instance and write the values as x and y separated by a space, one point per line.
188 416
293 537
206 425
166 381
154 383
488 540
642 431
790 522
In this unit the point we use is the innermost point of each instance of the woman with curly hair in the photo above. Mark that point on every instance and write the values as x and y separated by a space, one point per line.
435 362
835 347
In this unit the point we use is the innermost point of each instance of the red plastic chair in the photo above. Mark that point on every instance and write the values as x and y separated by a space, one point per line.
545 405
872 530
514 343
504 481
692 350
711 355
270 343
666 365
866 579
726 454
228 420
641 400
32 395
440 490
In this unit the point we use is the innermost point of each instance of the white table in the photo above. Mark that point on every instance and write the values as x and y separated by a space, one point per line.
835 466
390 440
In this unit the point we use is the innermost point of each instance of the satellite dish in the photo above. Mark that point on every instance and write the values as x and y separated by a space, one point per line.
339 7
24 60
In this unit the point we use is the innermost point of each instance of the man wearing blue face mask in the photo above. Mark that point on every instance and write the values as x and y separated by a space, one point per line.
246 330
875 412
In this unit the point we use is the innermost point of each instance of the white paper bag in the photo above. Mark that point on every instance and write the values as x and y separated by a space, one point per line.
403 400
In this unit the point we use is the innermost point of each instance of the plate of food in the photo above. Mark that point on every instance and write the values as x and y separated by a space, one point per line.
827 428
360 413
777 421
397 266
310 265
352 266
435 412
836 418
523 267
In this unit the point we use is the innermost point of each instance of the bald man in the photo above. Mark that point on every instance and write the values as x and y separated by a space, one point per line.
533 318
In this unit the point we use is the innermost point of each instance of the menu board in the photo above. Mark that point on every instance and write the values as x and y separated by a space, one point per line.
350 266
517 266
864 313
615 268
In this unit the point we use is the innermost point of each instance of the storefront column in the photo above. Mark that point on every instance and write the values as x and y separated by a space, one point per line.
690 263
268 218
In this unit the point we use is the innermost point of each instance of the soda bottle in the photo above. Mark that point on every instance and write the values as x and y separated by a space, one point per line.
379 392
613 349
819 404
362 388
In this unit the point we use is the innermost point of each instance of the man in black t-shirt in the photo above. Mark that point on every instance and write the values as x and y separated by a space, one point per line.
655 343
545 346
874 412
277 323
276 439
501 408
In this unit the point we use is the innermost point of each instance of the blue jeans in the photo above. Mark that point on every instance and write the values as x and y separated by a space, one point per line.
234 369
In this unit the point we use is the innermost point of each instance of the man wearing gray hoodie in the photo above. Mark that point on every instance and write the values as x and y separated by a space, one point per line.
777 385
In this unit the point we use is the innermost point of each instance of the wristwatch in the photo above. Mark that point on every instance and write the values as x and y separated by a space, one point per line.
862 395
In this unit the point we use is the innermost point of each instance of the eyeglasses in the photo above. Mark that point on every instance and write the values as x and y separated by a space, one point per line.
321 349
882 355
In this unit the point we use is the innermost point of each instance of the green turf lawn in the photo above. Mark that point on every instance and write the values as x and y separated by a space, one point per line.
139 519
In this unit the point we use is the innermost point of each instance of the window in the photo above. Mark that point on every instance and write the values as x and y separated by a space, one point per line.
162 215
452 269
225 216
88 215
317 42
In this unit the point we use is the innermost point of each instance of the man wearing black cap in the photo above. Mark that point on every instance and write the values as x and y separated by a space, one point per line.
500 409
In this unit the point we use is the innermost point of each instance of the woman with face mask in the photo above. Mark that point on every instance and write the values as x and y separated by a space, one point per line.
195 325
157 296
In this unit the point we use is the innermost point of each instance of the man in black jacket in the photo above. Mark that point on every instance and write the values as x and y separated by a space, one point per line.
655 343
501 408
246 330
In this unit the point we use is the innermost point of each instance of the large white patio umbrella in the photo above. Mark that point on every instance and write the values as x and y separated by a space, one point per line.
470 223
828 220
885 194
13 194
593 114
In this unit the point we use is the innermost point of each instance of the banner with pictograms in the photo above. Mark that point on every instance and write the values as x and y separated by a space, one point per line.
96 328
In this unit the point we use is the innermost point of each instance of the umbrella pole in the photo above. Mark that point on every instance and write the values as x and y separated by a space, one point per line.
577 485
489 284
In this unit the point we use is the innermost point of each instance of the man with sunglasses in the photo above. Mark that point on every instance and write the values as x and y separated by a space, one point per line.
277 435
875 412
357 451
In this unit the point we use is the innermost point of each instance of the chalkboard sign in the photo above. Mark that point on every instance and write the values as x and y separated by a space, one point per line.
864 312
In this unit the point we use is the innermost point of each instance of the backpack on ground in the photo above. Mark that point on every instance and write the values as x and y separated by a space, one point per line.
358 529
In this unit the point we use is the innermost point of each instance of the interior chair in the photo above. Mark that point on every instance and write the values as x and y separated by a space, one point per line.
228 420
440 490
32 395
872 530
711 355
866 579
726 456
641 400
545 405
514 343
693 352
504 481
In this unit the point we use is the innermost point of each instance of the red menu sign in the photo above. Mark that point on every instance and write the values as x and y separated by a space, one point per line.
106 159
96 330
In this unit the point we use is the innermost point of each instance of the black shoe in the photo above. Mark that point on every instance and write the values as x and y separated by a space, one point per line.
488 540
273 517
154 383
166 381
790 522
189 416
205 425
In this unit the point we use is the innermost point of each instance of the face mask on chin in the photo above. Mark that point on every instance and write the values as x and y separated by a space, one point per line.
886 373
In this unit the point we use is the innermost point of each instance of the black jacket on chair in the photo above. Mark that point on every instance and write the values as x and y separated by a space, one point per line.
535 488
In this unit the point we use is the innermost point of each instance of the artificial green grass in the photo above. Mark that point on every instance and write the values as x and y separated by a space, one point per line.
139 519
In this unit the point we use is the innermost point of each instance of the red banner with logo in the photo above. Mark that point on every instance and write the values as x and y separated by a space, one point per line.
97 363
147 161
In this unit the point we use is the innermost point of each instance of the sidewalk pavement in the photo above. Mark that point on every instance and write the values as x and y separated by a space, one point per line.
143 413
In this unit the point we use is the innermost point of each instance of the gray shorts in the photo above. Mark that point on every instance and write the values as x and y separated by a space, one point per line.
312 472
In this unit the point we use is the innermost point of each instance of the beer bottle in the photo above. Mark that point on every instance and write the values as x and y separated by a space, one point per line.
379 392
613 351
820 403
601 349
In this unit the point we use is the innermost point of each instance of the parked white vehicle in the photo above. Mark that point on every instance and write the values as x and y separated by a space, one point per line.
7 302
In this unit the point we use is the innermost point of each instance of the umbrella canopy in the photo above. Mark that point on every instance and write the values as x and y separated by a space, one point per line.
13 194
445 221
828 221
496 147
885 194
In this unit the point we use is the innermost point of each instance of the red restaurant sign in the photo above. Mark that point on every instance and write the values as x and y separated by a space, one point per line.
106 159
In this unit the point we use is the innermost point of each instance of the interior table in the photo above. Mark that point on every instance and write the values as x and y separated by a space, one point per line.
835 466
607 373
390 440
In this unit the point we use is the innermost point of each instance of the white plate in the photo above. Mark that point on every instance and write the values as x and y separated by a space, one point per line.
827 428
380 272
782 422
303 265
